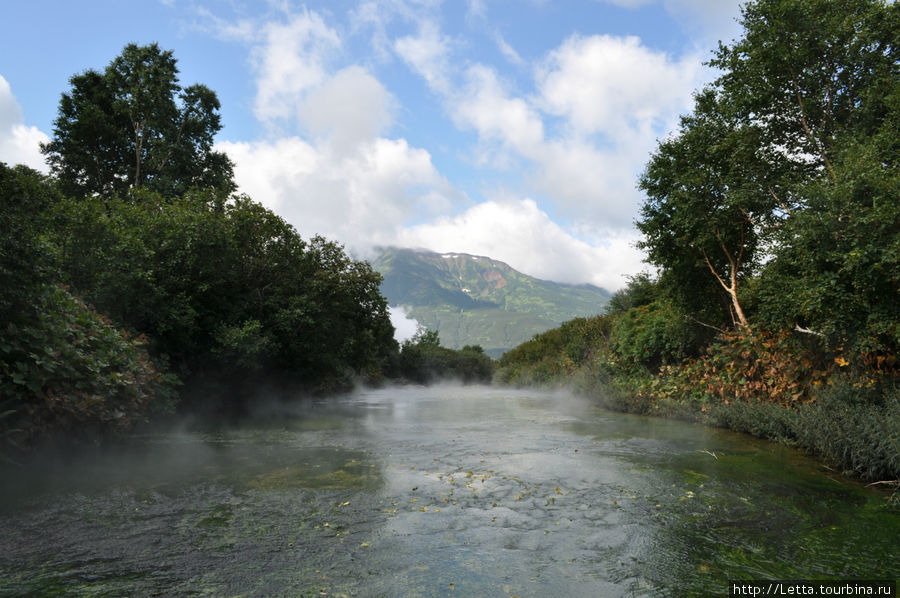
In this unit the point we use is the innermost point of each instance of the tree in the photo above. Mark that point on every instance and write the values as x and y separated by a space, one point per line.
423 359
838 267
710 203
819 79
227 290
63 366
758 155
811 72
133 126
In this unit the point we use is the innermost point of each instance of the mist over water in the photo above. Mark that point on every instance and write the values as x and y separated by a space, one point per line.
432 492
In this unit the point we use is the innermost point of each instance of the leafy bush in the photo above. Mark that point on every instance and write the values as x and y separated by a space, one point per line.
653 334
63 367
559 352
67 369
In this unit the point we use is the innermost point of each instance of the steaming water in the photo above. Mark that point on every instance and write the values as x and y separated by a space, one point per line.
437 492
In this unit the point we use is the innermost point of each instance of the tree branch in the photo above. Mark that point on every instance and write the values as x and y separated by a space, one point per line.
809 135
716 328
799 328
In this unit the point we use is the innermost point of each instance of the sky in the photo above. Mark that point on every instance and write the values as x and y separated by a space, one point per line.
511 129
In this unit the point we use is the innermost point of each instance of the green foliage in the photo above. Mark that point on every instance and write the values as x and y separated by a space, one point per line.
640 290
798 132
423 360
138 225
226 287
63 367
133 126
812 73
652 335
838 271
552 355
708 196
69 370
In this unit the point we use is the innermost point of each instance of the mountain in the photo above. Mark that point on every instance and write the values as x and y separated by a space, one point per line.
474 300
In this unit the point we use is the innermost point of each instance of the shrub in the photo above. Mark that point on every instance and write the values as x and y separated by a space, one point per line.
67 369
652 335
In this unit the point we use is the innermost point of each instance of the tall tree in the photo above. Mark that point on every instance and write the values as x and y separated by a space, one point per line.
708 203
811 72
134 126
768 142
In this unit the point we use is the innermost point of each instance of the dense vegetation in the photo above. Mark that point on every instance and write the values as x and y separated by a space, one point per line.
772 218
133 277
423 360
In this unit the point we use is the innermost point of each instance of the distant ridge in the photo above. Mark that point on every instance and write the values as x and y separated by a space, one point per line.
477 300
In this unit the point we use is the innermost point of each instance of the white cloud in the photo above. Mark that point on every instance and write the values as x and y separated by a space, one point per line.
337 175
426 53
519 233
360 199
616 86
486 106
348 108
613 96
292 59
19 144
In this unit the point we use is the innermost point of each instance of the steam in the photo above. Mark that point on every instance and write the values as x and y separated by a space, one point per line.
405 326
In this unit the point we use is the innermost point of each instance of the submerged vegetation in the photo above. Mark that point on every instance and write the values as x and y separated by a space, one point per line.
773 220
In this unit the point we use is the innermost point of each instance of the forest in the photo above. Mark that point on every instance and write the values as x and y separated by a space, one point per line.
772 222
135 281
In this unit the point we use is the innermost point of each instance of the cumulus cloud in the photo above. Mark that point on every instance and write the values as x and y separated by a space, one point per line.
613 96
329 167
347 108
485 105
579 136
292 59
361 199
615 86
19 144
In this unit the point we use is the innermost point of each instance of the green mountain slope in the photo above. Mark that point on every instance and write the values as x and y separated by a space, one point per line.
474 300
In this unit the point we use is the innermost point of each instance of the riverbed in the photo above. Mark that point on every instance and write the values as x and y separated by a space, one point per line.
439 491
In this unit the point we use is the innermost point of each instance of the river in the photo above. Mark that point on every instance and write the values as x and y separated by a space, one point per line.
440 491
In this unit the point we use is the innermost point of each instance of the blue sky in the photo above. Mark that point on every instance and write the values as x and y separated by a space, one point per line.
512 129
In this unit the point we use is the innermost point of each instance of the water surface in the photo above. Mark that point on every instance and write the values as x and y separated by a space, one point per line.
437 492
